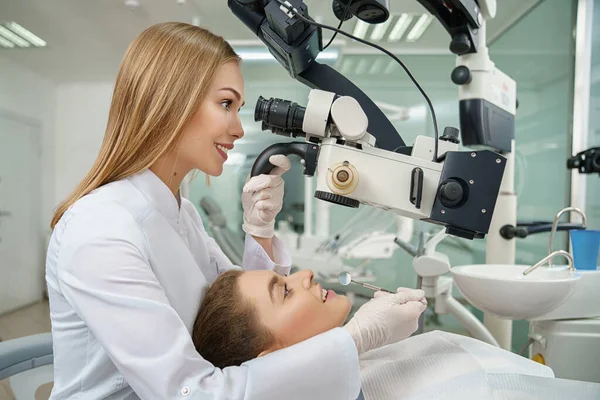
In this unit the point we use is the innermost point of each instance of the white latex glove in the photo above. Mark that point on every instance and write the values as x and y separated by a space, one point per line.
386 319
262 199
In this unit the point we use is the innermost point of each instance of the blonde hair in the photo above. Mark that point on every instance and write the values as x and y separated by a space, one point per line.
163 78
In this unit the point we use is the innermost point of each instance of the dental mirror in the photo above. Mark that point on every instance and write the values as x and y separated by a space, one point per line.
344 278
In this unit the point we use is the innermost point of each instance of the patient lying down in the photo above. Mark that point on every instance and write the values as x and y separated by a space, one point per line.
247 314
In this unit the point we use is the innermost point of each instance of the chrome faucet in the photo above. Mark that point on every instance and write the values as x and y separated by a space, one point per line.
551 252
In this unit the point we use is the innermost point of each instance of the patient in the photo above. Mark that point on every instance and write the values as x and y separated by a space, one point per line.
248 314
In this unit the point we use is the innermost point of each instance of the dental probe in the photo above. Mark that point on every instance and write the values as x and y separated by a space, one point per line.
345 279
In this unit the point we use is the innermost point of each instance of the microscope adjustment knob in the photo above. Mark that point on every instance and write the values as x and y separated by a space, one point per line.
450 135
451 193
342 178
338 10
460 44
461 75
336 199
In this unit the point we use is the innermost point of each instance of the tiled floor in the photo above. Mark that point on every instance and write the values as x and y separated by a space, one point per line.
26 321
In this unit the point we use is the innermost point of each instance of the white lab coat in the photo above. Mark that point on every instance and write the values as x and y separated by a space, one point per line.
126 271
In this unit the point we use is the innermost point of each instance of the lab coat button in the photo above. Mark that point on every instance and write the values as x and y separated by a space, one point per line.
185 391
181 231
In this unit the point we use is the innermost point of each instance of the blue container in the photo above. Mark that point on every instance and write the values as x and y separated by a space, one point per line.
586 247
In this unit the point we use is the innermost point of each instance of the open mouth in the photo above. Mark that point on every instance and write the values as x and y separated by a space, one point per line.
222 150
327 295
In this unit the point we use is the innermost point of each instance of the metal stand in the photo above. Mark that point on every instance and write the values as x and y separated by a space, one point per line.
500 251
430 266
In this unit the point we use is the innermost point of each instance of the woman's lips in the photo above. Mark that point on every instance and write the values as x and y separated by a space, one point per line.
222 153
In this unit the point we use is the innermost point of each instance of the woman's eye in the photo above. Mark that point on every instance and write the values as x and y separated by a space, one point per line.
226 104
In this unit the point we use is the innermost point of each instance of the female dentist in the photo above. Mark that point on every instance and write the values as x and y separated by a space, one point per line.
129 260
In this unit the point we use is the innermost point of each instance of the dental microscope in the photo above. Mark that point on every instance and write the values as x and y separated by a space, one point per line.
357 155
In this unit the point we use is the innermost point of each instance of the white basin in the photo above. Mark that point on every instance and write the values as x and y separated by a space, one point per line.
583 303
503 290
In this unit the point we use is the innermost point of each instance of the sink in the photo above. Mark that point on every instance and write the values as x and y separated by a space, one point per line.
583 303
503 290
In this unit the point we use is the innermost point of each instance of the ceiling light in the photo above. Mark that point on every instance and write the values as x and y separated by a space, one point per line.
11 36
376 66
380 29
25 34
420 27
328 55
6 43
132 4
401 26
347 65
360 29
248 55
390 67
361 68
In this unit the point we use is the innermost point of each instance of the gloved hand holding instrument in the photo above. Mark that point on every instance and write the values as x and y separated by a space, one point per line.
386 319
262 199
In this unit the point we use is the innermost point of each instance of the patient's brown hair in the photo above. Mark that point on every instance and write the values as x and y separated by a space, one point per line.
227 330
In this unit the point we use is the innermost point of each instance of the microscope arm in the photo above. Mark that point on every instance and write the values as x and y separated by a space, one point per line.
296 44
458 192
297 55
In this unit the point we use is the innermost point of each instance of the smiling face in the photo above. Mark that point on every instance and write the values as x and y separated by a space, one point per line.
293 308
213 129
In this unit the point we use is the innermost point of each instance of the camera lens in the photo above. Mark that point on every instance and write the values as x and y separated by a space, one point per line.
280 116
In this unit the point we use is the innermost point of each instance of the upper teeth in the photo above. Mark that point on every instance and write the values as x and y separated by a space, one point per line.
222 148
323 294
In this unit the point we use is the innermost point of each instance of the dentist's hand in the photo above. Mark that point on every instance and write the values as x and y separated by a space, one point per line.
262 199
386 319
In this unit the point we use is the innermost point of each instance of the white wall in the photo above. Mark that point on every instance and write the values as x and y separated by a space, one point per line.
81 116
27 96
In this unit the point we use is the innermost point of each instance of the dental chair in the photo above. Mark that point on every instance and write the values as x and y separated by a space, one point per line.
231 243
27 363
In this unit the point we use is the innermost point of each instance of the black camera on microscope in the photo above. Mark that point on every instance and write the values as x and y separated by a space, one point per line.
587 161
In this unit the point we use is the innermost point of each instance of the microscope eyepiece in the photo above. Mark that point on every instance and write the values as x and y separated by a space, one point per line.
282 117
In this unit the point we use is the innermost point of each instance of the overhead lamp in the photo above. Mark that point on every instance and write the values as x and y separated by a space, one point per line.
392 65
362 66
376 66
360 29
420 26
248 55
401 26
25 34
6 43
380 29
347 65
13 37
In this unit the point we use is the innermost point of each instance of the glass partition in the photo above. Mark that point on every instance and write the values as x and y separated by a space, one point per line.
593 138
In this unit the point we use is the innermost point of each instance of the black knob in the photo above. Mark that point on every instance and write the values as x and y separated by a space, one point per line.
595 162
460 44
450 135
373 13
337 199
338 10
461 75
451 193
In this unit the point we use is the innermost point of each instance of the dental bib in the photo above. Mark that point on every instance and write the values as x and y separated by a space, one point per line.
444 366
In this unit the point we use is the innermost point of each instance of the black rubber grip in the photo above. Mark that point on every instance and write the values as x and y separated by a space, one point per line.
306 151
